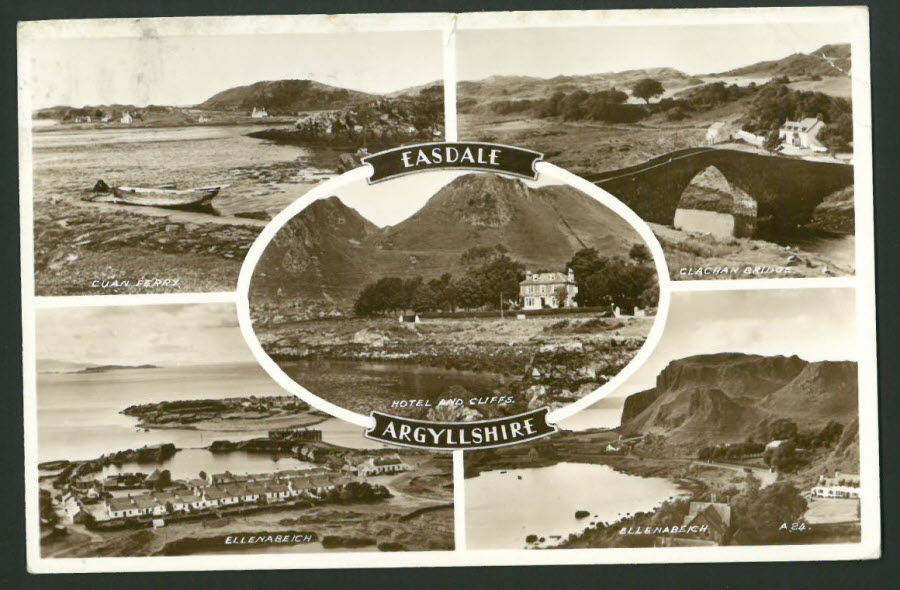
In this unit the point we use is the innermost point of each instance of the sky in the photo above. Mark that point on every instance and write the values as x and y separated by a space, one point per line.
814 324
389 203
187 70
695 49
165 335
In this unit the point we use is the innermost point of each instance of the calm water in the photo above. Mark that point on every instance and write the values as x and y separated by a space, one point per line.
327 378
839 248
263 175
501 509
593 418
696 220
78 414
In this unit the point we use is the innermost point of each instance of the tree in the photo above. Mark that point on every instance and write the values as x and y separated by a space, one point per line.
202 475
469 294
838 136
772 140
782 457
758 513
647 88
499 279
640 253
424 298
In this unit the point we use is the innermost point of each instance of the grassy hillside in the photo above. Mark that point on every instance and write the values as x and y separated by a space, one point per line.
827 61
285 96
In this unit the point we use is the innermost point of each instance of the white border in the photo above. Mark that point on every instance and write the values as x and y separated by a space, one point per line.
854 18
361 174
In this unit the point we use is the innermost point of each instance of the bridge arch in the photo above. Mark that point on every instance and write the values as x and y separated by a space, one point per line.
711 203
786 190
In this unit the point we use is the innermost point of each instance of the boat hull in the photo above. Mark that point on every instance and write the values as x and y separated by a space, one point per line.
169 199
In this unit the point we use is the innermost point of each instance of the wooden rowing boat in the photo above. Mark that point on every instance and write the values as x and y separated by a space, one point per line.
166 197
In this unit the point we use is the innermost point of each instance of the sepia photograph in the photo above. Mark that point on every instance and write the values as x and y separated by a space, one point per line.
159 435
734 142
454 296
157 160
741 429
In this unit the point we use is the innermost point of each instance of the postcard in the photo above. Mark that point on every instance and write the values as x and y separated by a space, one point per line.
448 289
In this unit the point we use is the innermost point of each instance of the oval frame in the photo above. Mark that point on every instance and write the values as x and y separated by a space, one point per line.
362 174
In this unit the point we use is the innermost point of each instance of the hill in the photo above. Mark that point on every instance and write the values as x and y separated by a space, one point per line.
727 397
531 87
285 96
541 228
827 61
318 255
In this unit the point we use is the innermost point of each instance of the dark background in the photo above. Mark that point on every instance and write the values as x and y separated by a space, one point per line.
869 575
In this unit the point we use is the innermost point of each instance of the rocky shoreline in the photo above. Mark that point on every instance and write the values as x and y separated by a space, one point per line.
543 361
104 249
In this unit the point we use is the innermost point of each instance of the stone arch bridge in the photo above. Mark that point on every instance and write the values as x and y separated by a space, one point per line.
787 190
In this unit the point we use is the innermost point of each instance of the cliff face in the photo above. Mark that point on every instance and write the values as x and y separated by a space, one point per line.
637 403
725 397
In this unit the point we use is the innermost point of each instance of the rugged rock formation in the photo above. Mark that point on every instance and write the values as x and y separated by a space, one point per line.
727 397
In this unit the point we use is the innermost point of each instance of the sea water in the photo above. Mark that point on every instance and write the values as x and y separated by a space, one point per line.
504 507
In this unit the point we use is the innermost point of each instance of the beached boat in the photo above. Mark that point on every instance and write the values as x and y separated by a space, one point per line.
166 197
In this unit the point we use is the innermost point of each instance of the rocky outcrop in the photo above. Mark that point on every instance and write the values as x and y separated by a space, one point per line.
727 397
638 402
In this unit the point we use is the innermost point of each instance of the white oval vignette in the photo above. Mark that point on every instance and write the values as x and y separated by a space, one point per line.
361 174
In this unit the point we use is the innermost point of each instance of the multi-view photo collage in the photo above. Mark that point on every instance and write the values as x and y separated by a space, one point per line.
219 300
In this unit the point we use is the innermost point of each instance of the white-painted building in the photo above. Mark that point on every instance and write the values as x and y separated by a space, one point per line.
842 485
548 289
719 132
802 134
259 113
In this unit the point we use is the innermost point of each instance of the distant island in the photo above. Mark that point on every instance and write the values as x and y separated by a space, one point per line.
107 368
56 367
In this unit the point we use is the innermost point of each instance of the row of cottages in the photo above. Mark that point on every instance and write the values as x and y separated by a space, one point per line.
259 113
216 479
378 466
842 485
553 290
220 496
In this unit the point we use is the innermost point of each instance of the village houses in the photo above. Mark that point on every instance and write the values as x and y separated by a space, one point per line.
219 490
259 113
842 485
378 466
719 132
548 289
802 134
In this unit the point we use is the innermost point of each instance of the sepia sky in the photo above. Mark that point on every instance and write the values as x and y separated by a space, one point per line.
166 335
814 324
693 49
188 70
389 203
